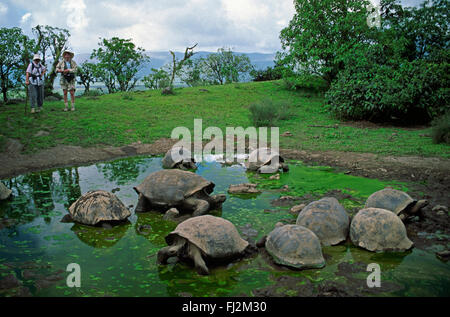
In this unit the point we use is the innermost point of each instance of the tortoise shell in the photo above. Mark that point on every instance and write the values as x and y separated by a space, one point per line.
171 187
216 237
376 229
182 155
96 206
261 157
295 246
390 199
327 219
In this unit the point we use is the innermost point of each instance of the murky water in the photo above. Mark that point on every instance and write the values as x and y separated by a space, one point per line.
36 247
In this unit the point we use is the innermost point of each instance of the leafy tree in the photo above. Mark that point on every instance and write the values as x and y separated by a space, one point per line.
270 73
192 73
225 66
119 61
320 34
86 74
50 42
15 53
159 78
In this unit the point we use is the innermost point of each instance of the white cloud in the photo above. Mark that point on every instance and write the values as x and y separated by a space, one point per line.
3 9
76 14
245 25
25 18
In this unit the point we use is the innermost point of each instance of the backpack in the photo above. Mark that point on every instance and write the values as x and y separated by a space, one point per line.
39 69
69 76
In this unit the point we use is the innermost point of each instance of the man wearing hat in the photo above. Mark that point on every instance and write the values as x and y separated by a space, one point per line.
35 81
68 69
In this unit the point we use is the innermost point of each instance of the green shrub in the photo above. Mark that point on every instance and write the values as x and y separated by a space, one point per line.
410 92
267 112
441 129
306 82
127 96
93 93
267 74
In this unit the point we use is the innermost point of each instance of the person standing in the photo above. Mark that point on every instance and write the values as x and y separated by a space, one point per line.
34 79
68 69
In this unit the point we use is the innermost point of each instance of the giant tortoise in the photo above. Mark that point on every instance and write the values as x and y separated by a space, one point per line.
376 229
327 219
204 239
97 207
266 161
183 190
179 157
396 201
294 246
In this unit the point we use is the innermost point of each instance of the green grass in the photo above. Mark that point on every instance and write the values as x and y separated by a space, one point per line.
120 119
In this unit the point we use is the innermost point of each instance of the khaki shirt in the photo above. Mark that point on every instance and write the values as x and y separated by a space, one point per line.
73 66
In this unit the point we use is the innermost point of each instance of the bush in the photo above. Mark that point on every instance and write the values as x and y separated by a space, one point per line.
127 96
441 129
267 112
307 82
267 74
93 93
413 92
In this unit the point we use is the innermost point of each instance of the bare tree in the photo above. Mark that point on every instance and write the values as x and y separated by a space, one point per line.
178 64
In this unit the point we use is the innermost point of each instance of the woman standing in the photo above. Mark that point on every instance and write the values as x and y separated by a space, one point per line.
34 79
68 69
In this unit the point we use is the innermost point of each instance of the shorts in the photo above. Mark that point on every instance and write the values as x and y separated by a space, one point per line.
65 85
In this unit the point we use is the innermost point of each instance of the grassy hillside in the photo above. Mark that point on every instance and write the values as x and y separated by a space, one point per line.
123 118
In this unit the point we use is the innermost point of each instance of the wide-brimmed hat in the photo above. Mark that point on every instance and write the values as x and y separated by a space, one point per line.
68 52
36 57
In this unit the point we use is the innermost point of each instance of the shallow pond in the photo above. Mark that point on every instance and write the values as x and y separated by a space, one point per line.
36 247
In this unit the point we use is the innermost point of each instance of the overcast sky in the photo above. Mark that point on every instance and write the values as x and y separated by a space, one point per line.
244 25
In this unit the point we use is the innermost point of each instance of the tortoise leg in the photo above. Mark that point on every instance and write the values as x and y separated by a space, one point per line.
166 253
196 256
200 206
143 204
285 167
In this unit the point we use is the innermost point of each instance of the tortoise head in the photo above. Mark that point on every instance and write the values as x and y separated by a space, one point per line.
418 206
